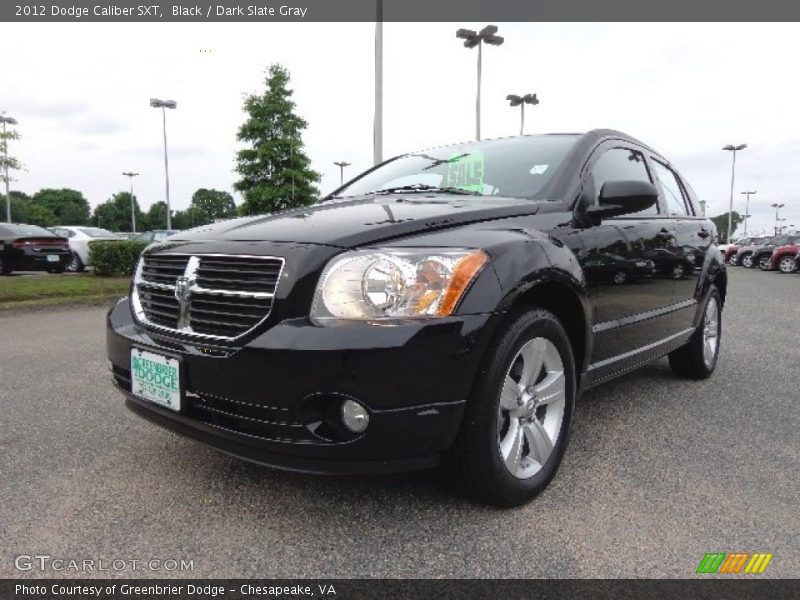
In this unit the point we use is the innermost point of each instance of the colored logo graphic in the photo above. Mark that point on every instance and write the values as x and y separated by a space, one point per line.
734 562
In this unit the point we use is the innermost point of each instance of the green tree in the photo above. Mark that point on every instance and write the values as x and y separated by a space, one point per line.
214 203
721 222
156 217
24 210
115 213
69 206
8 163
275 171
191 217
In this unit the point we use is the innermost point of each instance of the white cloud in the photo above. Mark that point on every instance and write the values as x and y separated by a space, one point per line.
686 89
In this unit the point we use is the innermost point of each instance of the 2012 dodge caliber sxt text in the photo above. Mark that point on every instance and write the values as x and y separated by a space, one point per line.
444 308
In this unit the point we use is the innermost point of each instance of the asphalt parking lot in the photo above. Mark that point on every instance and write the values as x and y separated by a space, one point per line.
659 472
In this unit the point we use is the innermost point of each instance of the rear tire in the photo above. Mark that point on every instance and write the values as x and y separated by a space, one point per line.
697 359
5 268
763 263
746 261
516 424
787 264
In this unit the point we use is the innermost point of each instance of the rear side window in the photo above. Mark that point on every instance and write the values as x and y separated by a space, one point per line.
673 193
621 164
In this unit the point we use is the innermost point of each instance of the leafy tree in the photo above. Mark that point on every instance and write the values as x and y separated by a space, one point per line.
69 206
8 162
191 217
115 213
23 210
214 203
721 222
275 171
156 217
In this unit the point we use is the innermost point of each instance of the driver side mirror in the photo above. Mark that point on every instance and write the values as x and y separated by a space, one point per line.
623 198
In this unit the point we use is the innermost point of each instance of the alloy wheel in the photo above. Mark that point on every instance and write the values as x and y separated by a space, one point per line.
74 264
677 271
763 263
787 264
620 277
710 332
747 261
531 409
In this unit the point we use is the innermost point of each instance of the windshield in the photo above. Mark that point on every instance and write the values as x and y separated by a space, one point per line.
514 167
95 232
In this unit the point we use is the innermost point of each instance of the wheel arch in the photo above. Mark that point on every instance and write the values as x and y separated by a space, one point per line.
569 306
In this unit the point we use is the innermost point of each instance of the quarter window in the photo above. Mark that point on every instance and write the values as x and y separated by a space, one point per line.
673 194
621 164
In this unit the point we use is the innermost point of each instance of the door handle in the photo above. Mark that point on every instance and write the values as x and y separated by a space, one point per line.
665 235
704 233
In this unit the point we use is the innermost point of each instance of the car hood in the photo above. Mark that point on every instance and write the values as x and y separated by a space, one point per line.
366 220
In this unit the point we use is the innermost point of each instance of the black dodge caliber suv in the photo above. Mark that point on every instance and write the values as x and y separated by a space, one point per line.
439 309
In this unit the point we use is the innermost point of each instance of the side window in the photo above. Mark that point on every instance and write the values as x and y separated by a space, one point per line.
673 194
621 164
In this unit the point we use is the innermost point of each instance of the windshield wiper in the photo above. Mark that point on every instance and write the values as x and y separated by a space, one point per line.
421 187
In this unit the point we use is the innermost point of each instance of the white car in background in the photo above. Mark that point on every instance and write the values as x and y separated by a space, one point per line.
79 237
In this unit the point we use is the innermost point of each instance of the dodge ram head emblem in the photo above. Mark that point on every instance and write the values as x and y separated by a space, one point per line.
182 288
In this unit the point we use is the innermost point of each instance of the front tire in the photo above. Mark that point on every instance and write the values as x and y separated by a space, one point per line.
697 359
746 261
763 263
75 265
517 420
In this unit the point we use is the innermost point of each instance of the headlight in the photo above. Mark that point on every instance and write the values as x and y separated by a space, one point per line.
368 285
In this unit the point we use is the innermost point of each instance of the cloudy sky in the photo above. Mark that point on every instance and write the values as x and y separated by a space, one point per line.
80 93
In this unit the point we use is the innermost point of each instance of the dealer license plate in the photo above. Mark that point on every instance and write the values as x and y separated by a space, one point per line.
156 378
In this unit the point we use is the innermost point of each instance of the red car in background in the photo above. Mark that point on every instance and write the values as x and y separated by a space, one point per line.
731 249
783 257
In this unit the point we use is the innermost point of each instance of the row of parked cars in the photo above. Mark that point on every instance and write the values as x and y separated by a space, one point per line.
768 253
57 249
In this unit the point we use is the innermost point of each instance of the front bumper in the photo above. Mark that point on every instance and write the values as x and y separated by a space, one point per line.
263 402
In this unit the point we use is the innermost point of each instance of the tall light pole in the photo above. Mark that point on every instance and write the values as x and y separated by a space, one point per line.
471 40
164 105
130 175
341 165
734 149
7 121
521 101
377 126
777 208
747 208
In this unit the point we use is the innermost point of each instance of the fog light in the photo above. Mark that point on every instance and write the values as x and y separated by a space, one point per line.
354 416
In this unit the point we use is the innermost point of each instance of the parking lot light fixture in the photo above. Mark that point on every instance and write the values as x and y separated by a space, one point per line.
130 175
163 105
487 35
734 150
7 121
777 208
521 101
341 164
747 208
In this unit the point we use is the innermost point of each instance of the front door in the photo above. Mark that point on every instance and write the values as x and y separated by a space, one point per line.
630 290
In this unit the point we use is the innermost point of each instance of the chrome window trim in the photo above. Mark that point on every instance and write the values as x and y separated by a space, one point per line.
141 318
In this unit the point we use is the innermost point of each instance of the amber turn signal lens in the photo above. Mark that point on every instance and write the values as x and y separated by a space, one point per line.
463 274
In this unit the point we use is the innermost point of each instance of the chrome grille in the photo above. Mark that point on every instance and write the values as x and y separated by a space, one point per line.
206 295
